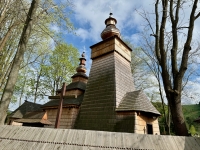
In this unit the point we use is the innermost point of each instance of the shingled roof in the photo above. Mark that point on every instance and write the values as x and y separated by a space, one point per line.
76 85
80 74
137 101
34 117
68 100
24 108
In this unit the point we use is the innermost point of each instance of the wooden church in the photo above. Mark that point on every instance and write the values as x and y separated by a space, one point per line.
107 99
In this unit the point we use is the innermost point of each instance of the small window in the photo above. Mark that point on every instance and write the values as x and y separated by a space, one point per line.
149 129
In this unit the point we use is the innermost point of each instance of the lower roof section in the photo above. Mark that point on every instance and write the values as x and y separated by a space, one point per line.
26 138
42 121
76 85
137 101
67 100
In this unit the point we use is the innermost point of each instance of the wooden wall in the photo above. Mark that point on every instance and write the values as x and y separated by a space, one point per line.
76 79
141 120
135 122
12 122
73 92
68 117
25 138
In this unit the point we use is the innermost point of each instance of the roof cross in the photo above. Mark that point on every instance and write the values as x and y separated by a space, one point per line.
110 10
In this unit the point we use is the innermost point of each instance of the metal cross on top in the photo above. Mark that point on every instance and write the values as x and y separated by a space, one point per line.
110 10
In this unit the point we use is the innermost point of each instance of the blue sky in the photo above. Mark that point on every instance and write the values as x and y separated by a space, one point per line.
89 16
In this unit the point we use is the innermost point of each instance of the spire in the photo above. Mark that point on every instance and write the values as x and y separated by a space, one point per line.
82 59
110 29
81 67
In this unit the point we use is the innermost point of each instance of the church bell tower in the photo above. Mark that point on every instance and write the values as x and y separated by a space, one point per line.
110 79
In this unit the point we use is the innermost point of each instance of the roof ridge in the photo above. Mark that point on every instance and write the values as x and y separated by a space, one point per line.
31 102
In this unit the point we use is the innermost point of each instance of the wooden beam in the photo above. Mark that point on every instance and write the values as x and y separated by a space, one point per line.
59 113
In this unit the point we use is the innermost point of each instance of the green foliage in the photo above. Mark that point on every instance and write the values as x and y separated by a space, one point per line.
45 75
191 112
161 119
192 130
60 67
13 99
159 107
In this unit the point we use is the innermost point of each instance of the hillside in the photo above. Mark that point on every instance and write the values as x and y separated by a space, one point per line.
191 112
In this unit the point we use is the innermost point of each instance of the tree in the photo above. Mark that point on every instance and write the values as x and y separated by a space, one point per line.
13 19
192 130
171 57
61 65
12 78
10 28
46 74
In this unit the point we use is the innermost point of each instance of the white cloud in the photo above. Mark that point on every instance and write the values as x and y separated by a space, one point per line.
94 14
83 34
91 16
192 92
55 28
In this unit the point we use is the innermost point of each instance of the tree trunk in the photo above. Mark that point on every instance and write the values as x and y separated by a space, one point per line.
178 118
4 6
22 90
169 120
12 78
37 85
6 37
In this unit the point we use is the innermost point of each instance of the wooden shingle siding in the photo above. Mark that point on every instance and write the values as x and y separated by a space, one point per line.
137 101
123 77
30 138
68 117
125 122
97 109
24 108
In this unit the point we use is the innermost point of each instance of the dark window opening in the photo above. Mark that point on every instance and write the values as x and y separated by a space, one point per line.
149 129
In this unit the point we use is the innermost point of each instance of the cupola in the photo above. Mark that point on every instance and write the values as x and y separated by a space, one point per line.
110 29
81 67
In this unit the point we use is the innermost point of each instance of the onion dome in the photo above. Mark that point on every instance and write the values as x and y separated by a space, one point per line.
110 29
81 67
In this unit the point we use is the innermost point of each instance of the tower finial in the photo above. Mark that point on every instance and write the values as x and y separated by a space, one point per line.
110 29
81 67
110 10
83 55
